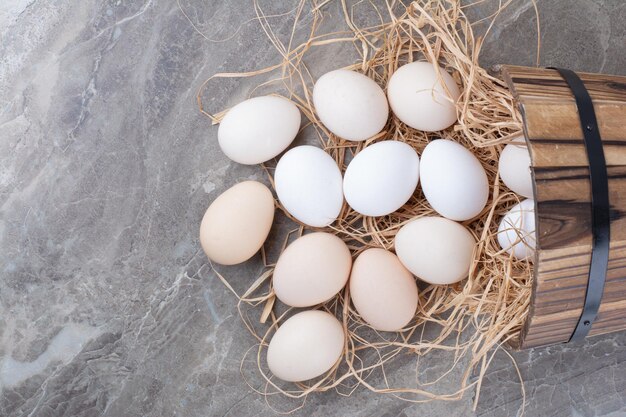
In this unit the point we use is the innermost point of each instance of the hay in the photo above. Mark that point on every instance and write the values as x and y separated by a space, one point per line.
471 319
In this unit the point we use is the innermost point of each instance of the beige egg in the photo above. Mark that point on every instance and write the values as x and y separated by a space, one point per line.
305 346
436 250
312 270
237 223
383 290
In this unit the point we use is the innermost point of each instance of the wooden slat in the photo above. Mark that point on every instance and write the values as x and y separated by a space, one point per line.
563 200
549 123
563 197
544 83
610 318
545 330
562 276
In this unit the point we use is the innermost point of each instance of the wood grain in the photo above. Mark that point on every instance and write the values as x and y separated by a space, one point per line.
563 200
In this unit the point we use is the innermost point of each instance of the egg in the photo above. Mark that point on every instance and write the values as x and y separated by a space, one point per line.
436 250
351 105
309 185
258 129
453 180
312 270
237 223
381 178
418 98
514 168
382 290
305 346
516 232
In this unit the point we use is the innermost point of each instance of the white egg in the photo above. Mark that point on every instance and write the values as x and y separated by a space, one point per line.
436 250
350 104
309 185
305 346
516 232
381 178
418 98
514 168
453 180
258 129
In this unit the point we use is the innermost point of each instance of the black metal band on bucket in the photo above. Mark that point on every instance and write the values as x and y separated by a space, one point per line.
600 206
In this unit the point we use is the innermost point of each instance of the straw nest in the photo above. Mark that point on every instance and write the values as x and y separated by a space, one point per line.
469 320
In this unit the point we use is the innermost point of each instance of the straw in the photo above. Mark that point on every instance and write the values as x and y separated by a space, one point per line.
469 320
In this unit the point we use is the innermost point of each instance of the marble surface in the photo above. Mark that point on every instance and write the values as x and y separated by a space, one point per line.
107 306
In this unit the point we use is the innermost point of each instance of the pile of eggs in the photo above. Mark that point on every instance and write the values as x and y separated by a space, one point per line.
379 180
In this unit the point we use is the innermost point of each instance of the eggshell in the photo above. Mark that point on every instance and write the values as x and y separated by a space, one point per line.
383 291
516 232
309 185
381 178
436 250
453 180
305 346
237 223
258 129
350 104
514 168
418 98
312 270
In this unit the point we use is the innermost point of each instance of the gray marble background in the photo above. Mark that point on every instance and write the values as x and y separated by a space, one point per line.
107 306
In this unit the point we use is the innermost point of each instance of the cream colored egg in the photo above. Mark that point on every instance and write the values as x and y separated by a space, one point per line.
382 290
305 346
435 249
516 232
312 270
418 98
350 104
258 129
514 168
237 223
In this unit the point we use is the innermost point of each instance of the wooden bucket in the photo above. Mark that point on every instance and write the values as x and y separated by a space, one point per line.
564 206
